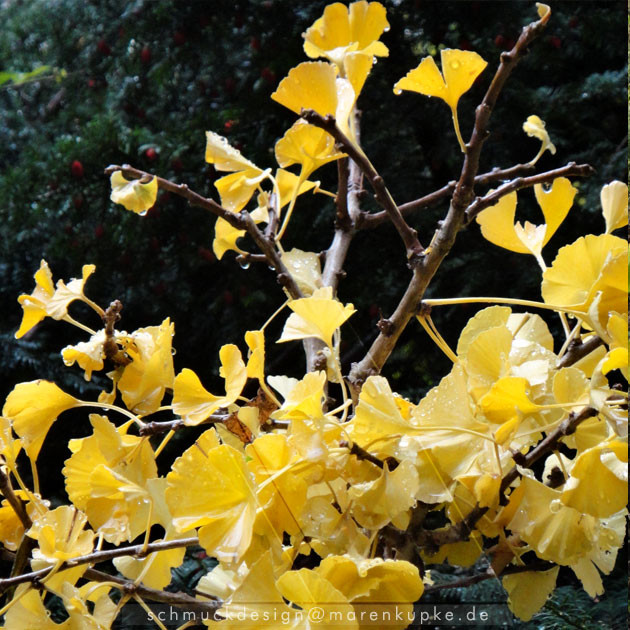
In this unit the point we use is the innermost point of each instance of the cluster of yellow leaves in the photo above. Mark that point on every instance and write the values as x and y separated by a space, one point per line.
277 477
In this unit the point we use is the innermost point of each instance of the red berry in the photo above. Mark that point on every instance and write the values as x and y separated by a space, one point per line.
555 41
103 47
76 168
228 298
228 124
145 55
91 83
499 41
151 154
268 75
99 231
254 43
78 202
179 38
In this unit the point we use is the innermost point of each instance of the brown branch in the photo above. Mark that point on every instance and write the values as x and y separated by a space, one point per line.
464 190
343 220
569 170
369 221
409 235
181 600
138 551
361 453
578 350
444 239
241 221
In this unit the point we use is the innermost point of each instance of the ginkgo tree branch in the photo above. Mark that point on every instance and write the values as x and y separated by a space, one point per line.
369 221
137 551
578 350
569 170
444 238
408 235
240 221
179 599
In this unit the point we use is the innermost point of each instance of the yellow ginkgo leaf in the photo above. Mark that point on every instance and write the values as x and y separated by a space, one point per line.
48 301
192 402
319 315
344 29
61 535
555 532
306 145
136 195
590 265
288 182
158 573
34 305
106 476
614 198
598 483
507 397
460 68
144 381
315 85
498 226
304 399
224 156
309 590
305 268
236 189
255 340
555 203
90 355
377 503
210 487
534 127
29 611
10 447
32 409
528 591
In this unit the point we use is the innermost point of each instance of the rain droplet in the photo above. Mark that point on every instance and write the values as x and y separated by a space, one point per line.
272 268
455 65
374 60
243 263
397 91
386 29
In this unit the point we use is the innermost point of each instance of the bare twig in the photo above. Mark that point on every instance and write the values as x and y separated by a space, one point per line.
369 221
569 170
384 197
361 453
138 551
578 350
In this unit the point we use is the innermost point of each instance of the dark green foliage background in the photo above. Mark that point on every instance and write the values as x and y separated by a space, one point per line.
213 66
